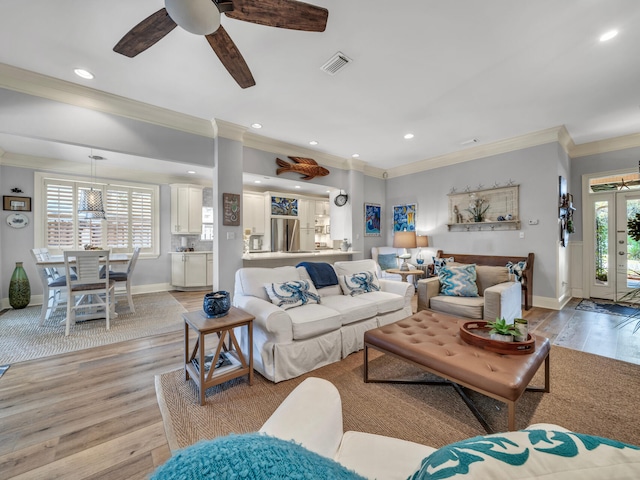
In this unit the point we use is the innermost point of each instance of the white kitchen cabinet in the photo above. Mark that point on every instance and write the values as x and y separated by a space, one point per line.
322 208
308 238
209 268
189 270
307 213
253 213
186 209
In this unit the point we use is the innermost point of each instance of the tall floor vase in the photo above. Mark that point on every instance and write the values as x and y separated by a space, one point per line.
19 288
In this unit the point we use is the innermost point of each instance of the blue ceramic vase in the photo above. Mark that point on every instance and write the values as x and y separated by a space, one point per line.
216 304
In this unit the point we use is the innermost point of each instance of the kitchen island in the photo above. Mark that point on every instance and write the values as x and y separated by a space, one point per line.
280 259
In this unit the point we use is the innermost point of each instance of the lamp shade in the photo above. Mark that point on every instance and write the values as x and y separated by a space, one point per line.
404 240
91 204
422 241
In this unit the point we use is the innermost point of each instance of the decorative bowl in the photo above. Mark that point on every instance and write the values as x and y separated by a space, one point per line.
216 304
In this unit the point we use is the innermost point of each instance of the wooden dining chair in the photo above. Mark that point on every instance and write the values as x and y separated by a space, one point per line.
85 291
54 285
124 276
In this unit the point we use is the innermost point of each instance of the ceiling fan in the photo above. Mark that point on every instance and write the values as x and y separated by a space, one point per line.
202 17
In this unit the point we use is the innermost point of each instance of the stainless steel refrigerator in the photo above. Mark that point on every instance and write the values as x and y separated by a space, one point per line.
285 235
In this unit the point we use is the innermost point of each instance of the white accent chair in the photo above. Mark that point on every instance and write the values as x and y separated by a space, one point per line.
376 251
88 285
124 276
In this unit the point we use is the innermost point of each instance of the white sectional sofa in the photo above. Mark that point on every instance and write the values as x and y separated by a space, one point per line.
293 341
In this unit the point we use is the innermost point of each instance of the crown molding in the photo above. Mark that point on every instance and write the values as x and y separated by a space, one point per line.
31 83
607 145
230 130
57 166
565 140
533 139
267 144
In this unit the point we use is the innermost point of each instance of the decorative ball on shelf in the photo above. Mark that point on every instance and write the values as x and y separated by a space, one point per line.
501 218
216 304
509 217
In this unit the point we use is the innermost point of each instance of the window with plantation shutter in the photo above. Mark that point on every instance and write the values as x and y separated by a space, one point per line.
131 212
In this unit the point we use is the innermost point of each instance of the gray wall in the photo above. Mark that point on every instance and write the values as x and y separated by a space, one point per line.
535 169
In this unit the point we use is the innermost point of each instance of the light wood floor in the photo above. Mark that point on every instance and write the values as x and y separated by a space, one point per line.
93 414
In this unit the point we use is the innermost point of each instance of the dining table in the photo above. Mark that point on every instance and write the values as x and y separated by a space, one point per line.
57 261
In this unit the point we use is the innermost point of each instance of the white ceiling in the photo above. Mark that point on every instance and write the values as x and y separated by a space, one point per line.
447 71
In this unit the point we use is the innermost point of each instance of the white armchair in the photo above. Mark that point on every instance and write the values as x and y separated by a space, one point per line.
387 257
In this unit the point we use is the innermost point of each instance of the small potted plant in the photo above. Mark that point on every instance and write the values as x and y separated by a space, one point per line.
501 331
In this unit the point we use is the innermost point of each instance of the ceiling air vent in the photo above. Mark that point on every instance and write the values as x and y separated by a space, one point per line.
336 63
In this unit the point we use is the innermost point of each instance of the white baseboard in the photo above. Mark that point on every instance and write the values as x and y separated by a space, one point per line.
550 303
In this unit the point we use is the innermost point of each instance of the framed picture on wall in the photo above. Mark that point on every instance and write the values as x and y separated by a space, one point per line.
404 217
231 209
20 204
372 219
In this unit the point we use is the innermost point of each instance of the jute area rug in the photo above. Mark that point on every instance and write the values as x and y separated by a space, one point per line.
21 338
589 394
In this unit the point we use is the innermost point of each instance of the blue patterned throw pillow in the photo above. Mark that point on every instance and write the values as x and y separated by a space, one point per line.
516 269
292 294
250 456
438 263
387 261
458 281
359 283
532 453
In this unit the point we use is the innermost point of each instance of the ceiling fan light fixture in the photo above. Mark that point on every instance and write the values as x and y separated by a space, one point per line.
200 17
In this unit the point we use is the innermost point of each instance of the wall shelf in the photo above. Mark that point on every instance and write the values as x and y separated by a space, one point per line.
484 226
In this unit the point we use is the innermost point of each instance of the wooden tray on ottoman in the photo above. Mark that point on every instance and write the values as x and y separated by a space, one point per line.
477 334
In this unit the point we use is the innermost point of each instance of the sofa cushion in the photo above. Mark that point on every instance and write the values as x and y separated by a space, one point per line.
251 456
488 276
516 269
353 309
292 294
387 261
468 307
385 302
250 281
359 283
530 454
312 320
458 281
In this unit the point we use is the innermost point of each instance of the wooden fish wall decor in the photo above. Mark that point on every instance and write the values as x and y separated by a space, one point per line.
307 167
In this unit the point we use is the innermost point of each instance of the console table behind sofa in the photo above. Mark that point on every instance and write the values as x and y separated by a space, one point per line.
527 274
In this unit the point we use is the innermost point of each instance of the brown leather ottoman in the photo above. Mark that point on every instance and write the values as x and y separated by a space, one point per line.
431 341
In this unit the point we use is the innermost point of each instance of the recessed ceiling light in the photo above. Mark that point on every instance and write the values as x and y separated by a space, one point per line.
408 136
297 186
355 155
313 142
256 125
81 72
191 172
608 35
257 181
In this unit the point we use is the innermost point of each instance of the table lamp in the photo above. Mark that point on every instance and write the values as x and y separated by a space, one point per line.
422 241
404 240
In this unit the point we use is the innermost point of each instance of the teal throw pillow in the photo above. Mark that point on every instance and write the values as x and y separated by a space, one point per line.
516 269
292 294
250 456
458 281
532 453
387 261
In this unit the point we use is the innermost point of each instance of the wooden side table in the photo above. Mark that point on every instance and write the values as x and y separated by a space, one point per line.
194 360
405 273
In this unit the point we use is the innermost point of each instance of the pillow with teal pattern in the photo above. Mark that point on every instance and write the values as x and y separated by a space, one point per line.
534 453
458 281
359 283
292 294
250 456
387 261
516 269
438 263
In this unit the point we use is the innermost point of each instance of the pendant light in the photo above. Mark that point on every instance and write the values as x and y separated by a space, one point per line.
91 205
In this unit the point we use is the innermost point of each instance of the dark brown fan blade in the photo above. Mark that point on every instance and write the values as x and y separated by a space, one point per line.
289 14
146 34
231 57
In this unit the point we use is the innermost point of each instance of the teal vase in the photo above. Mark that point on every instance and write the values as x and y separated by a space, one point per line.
19 288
